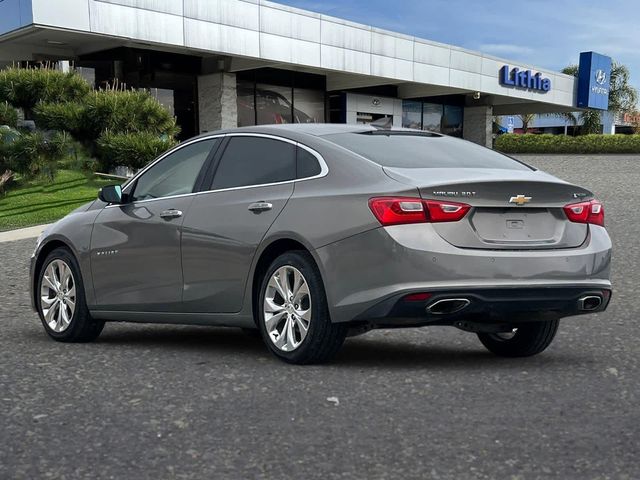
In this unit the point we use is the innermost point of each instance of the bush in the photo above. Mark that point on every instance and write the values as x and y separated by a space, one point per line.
546 143
38 154
132 150
135 121
25 87
115 111
67 116
8 115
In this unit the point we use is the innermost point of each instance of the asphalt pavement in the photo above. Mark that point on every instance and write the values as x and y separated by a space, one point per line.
156 402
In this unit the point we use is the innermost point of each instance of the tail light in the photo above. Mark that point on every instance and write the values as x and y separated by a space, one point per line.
403 210
586 212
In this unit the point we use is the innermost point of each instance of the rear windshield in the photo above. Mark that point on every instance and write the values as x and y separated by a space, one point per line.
415 150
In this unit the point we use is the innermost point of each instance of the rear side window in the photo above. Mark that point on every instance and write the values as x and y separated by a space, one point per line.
404 150
307 164
255 161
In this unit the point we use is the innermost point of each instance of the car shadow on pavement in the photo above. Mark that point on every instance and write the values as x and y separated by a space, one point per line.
389 353
356 352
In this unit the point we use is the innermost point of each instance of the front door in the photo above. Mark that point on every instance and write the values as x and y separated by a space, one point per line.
135 247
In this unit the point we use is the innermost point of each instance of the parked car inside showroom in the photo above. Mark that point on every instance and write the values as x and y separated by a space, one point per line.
314 232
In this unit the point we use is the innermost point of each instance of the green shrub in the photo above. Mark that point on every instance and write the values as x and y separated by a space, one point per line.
8 115
130 111
546 143
132 150
67 116
25 87
118 113
37 154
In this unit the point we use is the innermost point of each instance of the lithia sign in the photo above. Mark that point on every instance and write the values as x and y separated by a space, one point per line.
514 77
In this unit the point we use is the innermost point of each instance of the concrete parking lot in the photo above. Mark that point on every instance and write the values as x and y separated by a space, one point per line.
186 402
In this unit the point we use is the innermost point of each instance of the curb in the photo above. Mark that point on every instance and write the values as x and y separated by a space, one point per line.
22 233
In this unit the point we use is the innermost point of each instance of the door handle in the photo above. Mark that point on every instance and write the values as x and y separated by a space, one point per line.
260 206
171 213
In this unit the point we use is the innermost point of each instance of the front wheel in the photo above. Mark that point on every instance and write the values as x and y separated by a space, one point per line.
293 313
524 341
61 301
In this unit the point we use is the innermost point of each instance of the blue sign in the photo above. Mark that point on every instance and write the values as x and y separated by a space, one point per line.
524 79
594 81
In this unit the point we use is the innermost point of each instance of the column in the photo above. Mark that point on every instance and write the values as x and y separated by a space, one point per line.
217 101
478 125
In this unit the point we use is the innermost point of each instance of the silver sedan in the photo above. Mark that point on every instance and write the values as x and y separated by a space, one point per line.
311 233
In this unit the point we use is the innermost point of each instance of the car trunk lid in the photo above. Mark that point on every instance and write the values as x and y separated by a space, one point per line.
512 209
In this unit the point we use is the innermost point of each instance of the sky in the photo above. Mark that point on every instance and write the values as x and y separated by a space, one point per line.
544 33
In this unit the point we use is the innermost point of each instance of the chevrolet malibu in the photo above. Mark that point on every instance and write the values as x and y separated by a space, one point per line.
311 233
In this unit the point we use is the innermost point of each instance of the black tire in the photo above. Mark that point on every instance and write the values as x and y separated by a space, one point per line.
82 327
529 339
324 338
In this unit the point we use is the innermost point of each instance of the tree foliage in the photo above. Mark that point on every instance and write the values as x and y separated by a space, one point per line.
37 154
133 150
8 115
26 87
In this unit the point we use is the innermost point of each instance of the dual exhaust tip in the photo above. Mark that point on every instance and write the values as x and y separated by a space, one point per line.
448 306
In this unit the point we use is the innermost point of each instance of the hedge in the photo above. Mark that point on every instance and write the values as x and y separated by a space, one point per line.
546 143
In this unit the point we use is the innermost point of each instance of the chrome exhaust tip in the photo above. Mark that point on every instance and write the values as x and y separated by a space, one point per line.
589 303
447 306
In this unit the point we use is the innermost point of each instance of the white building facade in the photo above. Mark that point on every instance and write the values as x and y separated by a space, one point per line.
223 63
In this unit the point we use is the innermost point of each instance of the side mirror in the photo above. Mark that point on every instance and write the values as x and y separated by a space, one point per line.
111 194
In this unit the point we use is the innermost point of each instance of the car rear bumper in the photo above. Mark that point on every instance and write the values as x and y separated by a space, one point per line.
471 308
384 264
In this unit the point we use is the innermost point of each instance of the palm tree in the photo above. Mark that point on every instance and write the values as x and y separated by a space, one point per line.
622 98
526 119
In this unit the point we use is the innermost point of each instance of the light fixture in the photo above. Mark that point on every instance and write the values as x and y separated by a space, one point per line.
55 42
476 95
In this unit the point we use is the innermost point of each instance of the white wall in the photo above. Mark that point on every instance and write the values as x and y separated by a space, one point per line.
266 30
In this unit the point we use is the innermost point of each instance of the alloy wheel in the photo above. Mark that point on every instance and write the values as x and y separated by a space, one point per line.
58 295
287 308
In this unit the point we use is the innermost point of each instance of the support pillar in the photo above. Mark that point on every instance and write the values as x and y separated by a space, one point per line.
217 101
478 125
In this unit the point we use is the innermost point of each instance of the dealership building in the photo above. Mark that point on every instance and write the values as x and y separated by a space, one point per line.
225 63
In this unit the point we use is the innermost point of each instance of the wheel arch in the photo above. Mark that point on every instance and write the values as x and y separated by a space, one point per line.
272 250
43 251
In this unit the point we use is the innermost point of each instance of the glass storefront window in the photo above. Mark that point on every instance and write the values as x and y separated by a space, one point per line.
273 104
452 121
411 114
246 104
432 117
308 106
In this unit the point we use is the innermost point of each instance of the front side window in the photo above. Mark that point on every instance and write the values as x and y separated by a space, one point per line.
255 161
176 174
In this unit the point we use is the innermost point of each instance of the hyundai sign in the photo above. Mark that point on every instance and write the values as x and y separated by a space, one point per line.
594 81
514 77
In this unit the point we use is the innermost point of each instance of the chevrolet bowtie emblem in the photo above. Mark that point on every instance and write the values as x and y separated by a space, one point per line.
520 200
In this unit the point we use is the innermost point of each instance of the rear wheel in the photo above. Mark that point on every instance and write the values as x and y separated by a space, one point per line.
524 341
293 313
61 301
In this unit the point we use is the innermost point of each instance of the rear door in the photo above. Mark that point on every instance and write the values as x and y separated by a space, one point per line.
252 182
135 247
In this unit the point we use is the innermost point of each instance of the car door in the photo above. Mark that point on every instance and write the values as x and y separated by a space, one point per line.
252 182
135 247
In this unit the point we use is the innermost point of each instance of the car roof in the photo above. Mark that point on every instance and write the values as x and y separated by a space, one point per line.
315 129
